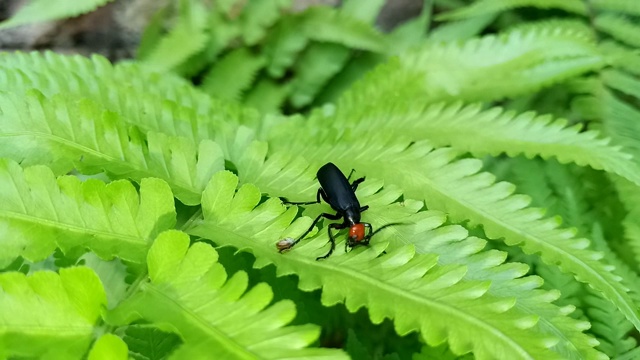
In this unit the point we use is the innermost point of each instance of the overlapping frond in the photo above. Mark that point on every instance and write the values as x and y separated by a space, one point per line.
489 131
189 293
619 27
185 39
466 194
484 7
48 315
488 68
232 74
438 294
85 135
454 248
46 10
39 213
137 94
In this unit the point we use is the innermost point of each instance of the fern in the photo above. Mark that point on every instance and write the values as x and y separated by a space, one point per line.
228 217
49 315
221 319
258 16
99 140
493 132
489 68
47 10
460 190
620 28
484 7
626 6
189 36
408 122
110 219
232 74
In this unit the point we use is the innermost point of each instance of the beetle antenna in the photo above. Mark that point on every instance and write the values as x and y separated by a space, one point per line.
384 227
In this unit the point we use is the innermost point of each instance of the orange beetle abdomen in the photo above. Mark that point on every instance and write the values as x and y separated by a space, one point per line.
356 232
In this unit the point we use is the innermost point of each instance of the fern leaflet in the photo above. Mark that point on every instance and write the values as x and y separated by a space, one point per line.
484 7
188 291
99 140
49 315
459 189
112 220
438 294
47 10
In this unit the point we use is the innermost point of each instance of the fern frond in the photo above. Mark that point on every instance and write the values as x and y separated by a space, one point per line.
455 248
440 295
620 28
322 24
111 220
189 293
326 24
95 140
484 7
147 100
461 29
610 326
47 315
232 74
489 68
258 15
267 96
319 63
630 7
47 10
492 131
283 45
186 38
466 194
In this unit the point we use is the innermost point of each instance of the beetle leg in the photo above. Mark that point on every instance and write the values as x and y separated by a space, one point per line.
332 240
313 224
364 208
356 182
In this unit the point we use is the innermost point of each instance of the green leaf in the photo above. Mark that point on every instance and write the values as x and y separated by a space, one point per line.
484 7
489 68
630 7
109 347
47 10
93 140
441 301
189 293
38 214
229 77
458 188
326 24
621 28
319 63
492 131
186 38
47 315
147 342
258 15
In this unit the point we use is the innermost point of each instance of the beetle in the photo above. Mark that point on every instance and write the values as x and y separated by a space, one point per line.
336 190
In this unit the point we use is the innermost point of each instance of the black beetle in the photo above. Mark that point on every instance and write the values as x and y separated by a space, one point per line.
336 191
